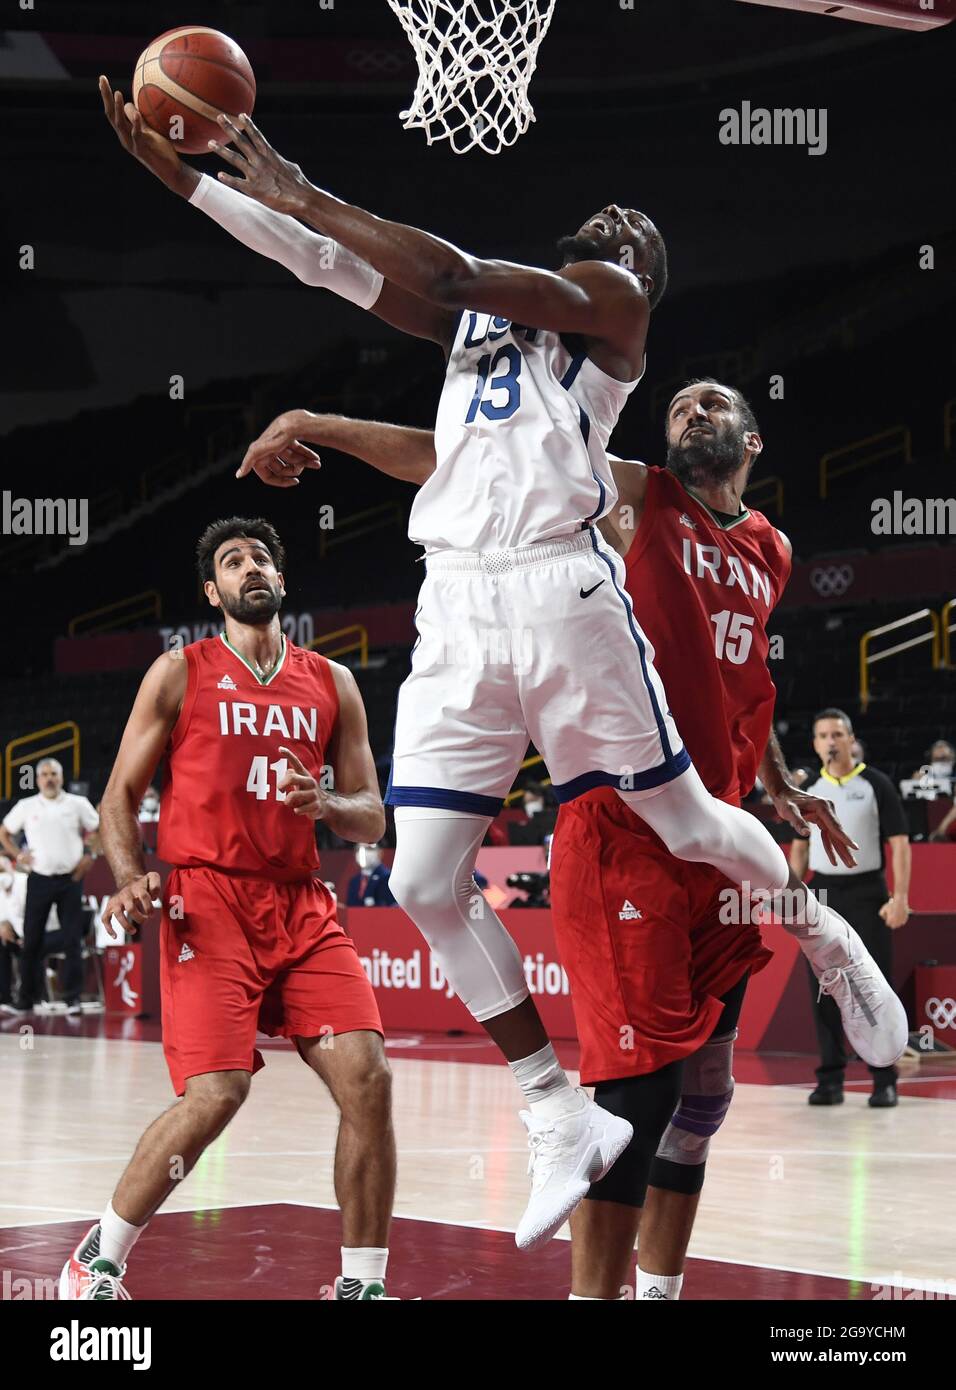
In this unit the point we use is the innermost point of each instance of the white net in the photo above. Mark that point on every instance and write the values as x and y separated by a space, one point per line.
475 61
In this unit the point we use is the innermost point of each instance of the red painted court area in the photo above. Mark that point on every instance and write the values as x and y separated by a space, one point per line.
285 1251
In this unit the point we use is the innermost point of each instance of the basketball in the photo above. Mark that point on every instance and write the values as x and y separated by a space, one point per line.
185 78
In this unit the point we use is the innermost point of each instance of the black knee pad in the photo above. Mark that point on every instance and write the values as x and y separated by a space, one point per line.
647 1102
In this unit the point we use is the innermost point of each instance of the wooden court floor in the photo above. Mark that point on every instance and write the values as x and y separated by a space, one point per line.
799 1202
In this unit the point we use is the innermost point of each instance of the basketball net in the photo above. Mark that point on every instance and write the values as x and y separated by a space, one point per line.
475 61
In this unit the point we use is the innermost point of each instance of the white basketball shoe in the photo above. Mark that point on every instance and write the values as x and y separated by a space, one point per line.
874 1019
568 1153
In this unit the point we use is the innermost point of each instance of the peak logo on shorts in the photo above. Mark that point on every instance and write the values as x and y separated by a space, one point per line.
187 953
630 913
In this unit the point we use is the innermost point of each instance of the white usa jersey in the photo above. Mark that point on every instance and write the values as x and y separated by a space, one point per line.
520 439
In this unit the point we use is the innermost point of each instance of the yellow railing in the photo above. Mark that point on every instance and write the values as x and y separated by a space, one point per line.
866 660
519 791
948 628
893 441
148 604
775 497
46 751
360 524
358 643
949 421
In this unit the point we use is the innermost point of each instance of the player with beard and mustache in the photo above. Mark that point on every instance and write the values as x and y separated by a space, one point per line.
658 964
657 977
262 739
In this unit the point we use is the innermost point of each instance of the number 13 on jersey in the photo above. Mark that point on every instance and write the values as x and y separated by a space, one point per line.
488 385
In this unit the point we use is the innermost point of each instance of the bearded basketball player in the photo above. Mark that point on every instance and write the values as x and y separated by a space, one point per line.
539 365
262 739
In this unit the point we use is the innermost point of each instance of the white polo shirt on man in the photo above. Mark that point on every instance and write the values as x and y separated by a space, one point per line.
54 828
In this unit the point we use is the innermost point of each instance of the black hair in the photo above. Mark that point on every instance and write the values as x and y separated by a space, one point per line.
233 528
831 712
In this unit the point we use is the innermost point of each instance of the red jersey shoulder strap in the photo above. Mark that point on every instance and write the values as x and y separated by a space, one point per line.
191 655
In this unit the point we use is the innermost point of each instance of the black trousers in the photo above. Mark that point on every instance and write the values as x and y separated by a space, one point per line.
42 892
8 950
858 898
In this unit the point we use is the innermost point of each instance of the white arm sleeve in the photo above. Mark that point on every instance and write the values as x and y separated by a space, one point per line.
314 259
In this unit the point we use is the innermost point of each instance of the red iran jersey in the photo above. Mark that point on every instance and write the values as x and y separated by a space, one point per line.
220 805
703 593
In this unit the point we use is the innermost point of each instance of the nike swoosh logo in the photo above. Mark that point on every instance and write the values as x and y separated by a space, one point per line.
586 593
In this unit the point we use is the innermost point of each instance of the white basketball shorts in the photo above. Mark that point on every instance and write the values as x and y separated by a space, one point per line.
541 642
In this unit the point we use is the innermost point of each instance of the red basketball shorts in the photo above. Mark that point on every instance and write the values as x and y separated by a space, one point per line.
239 955
641 938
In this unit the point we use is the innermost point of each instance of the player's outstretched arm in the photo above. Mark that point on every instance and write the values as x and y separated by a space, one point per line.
279 455
154 713
594 298
353 808
313 259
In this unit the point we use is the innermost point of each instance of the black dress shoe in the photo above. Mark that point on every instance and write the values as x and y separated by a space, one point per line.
883 1097
826 1095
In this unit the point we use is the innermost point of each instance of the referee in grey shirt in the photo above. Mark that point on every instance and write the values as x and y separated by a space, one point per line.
869 808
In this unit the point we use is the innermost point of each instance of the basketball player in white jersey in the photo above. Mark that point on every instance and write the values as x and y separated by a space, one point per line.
525 628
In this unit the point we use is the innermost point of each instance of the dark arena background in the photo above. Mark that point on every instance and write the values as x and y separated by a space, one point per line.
146 349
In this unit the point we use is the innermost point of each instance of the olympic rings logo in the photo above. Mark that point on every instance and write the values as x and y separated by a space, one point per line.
941 1012
378 61
831 580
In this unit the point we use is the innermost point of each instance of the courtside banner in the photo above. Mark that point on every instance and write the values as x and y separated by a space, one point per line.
412 991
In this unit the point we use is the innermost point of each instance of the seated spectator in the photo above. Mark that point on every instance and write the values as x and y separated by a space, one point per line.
540 816
369 887
938 770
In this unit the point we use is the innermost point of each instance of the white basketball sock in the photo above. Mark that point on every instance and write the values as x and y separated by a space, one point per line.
664 1287
544 1084
365 1262
117 1237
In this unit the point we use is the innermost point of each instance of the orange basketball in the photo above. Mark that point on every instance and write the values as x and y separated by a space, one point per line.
185 78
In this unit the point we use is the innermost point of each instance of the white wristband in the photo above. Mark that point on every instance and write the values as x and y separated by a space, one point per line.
313 259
